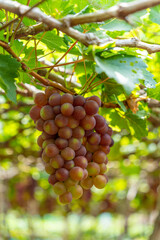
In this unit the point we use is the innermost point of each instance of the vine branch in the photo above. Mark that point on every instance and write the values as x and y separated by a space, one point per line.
48 23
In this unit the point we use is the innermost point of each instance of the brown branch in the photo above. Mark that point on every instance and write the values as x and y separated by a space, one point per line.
122 10
48 23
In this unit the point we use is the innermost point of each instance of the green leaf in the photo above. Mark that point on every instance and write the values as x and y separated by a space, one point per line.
154 14
8 72
136 125
116 25
121 104
111 89
126 70
53 41
154 93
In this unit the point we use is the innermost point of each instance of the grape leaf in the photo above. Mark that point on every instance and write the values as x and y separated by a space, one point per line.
154 14
116 25
8 72
154 93
53 41
126 70
136 125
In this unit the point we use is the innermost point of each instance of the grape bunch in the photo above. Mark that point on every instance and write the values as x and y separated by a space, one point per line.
75 141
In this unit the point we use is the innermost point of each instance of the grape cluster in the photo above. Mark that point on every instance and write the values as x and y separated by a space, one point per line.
75 141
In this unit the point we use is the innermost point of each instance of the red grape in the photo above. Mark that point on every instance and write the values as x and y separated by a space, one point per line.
40 99
91 107
55 99
47 112
68 153
62 174
57 161
35 113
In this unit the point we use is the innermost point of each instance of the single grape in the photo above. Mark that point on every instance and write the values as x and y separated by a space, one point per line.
78 132
65 198
103 168
87 183
105 149
94 138
52 179
46 142
93 169
96 99
57 109
91 107
72 122
39 124
99 181
59 188
65 132
47 112
79 113
49 169
89 156
57 161
67 109
100 121
55 99
81 151
35 113
69 165
40 99
67 98
61 143
51 150
74 143
79 100
62 174
50 127
76 173
68 153
40 141
88 123
61 121
76 191
81 161
99 157
105 139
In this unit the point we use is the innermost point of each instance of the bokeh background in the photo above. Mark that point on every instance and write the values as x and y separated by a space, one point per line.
125 209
